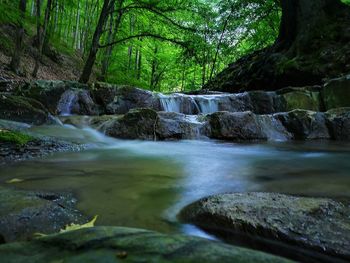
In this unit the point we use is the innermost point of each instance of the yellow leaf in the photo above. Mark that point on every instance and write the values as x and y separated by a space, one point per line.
77 226
14 181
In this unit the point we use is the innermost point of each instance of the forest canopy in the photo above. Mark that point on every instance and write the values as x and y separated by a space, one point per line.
158 45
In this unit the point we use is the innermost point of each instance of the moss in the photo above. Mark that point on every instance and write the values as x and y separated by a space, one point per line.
14 137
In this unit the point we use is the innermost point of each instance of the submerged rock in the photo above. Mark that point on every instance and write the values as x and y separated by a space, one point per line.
115 244
23 213
309 229
22 109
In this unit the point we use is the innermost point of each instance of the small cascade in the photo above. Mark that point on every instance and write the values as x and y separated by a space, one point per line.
171 103
207 104
66 102
190 104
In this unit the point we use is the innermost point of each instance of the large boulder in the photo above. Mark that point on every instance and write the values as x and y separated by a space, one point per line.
177 126
336 93
22 213
22 109
339 123
235 126
127 98
136 124
305 125
118 244
307 229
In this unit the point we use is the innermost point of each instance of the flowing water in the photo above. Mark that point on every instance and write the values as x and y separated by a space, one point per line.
145 184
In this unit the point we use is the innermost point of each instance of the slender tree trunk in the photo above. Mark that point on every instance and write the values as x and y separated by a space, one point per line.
90 61
16 58
41 36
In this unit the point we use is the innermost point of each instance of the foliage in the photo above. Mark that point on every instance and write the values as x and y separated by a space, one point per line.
14 137
181 44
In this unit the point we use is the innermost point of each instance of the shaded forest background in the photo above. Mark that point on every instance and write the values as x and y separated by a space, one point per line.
175 45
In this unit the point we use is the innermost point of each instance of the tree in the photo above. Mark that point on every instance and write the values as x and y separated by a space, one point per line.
312 45
16 57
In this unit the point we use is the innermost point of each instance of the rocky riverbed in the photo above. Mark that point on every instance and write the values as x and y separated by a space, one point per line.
301 228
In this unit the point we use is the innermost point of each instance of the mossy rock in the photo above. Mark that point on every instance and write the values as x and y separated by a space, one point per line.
308 98
118 244
15 137
308 229
22 109
336 93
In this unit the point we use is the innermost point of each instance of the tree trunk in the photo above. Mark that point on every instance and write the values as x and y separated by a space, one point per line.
16 58
90 61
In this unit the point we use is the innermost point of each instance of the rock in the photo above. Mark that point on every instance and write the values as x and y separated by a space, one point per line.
22 109
339 123
306 98
103 93
305 125
310 229
128 98
237 126
336 93
115 244
61 97
273 128
178 126
263 102
136 124
24 213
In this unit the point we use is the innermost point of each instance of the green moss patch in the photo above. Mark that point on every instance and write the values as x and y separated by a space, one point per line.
14 137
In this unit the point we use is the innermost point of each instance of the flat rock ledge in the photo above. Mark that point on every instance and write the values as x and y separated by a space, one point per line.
24 213
118 244
304 229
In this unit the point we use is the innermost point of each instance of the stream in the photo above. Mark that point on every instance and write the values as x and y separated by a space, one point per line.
145 184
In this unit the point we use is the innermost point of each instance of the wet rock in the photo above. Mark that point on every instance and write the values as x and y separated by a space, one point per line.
24 213
114 244
338 121
336 93
311 229
22 109
136 124
61 97
178 126
263 102
237 126
128 98
103 93
305 125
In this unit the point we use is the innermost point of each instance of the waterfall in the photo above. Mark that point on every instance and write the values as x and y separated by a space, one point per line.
189 104
208 104
66 103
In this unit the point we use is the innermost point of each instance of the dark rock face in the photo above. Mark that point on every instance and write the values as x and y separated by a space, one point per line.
305 125
237 126
314 229
338 121
115 244
336 93
22 109
24 213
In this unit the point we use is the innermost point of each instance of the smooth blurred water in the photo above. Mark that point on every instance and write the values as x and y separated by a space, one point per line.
145 184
